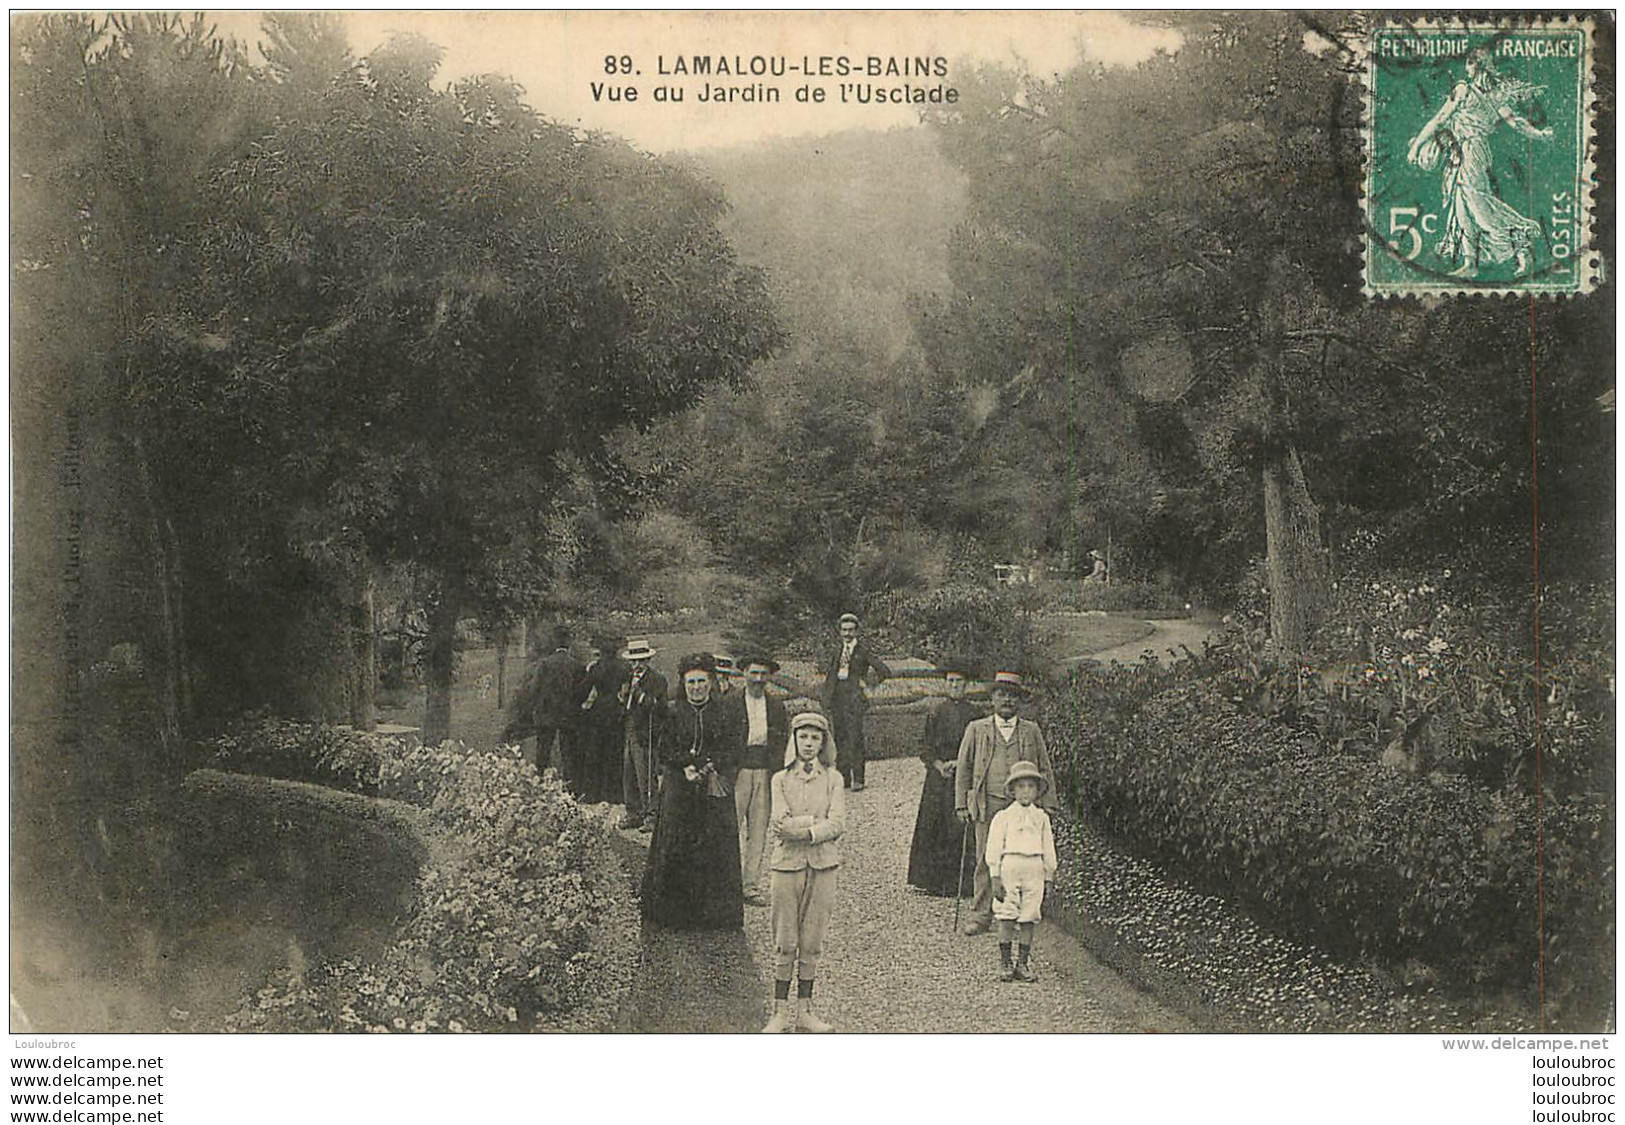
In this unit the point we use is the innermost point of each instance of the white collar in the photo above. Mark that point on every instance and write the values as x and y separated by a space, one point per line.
1007 724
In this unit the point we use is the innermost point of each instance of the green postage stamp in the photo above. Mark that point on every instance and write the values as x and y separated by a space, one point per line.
1479 162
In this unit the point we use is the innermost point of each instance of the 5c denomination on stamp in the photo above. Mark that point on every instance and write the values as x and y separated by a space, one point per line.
1479 162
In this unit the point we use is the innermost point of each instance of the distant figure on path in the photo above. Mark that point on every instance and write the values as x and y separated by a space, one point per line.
546 705
692 880
640 697
809 816
1097 569
934 858
844 699
1021 861
990 749
764 726
602 737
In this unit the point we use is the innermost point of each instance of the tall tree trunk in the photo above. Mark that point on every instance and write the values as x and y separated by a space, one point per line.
364 651
503 639
440 653
1297 558
170 692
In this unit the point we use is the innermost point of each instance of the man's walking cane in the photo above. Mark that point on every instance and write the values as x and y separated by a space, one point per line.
959 875
651 803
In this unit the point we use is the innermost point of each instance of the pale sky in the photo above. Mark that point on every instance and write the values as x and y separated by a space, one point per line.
557 56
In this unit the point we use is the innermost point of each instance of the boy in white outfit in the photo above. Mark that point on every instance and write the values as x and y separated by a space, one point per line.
1020 860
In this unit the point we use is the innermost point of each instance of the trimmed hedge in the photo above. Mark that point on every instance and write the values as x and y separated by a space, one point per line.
1359 858
520 919
336 870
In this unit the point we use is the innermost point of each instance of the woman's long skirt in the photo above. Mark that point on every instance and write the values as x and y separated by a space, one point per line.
939 838
692 881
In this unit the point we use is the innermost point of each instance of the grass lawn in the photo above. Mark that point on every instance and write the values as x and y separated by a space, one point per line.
1081 634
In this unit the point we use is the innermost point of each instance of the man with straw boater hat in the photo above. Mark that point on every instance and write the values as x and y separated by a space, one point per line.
990 749
641 695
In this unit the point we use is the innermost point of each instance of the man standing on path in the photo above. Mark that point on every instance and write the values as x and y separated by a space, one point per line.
602 741
991 746
641 697
763 723
547 705
845 700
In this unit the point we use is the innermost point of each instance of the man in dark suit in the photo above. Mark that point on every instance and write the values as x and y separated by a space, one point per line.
641 696
761 723
601 741
844 698
547 704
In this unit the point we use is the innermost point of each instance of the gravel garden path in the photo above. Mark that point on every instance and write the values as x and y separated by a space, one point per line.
1170 634
892 961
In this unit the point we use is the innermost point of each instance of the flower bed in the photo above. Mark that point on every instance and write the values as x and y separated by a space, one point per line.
520 922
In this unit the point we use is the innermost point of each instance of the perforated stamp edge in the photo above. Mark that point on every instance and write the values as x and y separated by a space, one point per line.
1589 265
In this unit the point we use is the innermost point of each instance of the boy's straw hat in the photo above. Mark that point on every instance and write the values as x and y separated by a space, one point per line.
1020 770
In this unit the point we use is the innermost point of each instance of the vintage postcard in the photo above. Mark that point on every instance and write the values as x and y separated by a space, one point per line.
1093 526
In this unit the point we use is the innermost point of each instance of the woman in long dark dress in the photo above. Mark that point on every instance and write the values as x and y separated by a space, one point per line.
934 859
692 881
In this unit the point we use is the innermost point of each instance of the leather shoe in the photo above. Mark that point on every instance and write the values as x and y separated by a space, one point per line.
1024 972
809 1021
631 821
857 787
755 898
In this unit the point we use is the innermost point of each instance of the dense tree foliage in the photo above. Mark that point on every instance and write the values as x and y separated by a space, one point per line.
1170 253
361 320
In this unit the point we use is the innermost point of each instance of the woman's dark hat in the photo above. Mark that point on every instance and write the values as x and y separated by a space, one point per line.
697 661
956 662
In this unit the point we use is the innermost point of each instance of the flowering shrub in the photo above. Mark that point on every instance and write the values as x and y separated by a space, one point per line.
1406 673
960 619
510 927
295 751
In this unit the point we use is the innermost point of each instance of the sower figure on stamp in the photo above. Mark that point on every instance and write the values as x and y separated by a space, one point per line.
1479 224
844 699
641 696
990 748
547 704
763 723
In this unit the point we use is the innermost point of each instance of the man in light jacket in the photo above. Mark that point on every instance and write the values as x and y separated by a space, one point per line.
759 718
988 749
